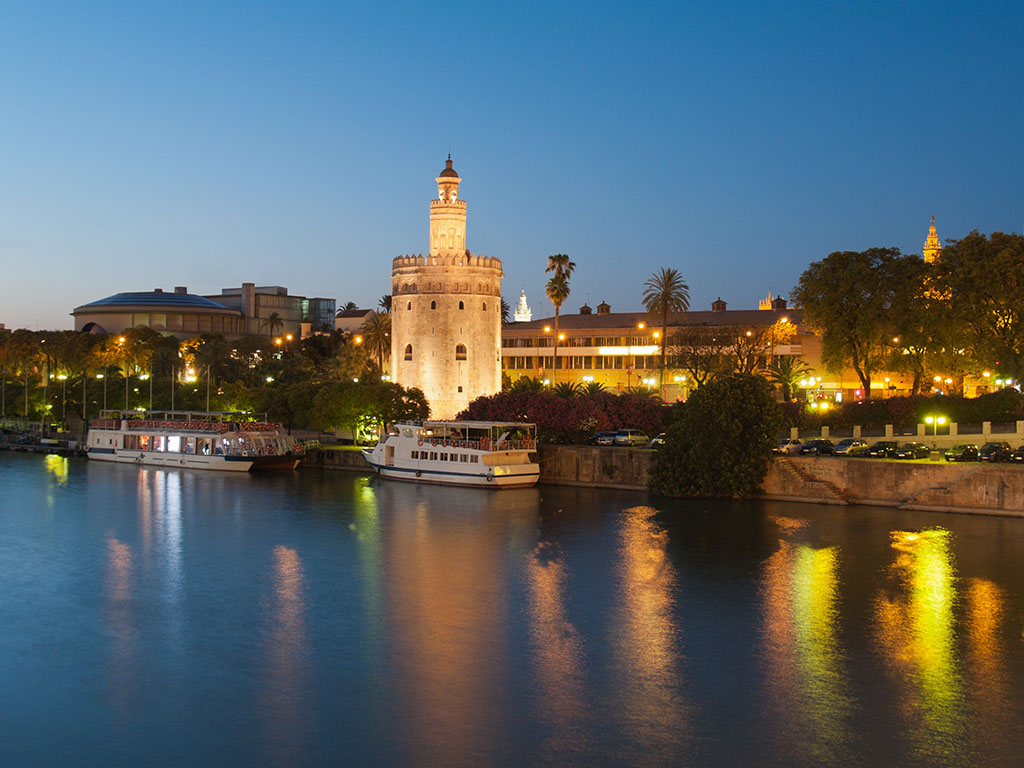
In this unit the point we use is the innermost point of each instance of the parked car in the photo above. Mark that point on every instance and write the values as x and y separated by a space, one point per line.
788 446
631 437
817 447
912 451
658 440
602 438
883 449
1018 455
851 446
997 450
965 452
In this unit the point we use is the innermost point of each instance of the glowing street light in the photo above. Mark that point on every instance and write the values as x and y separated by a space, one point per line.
935 421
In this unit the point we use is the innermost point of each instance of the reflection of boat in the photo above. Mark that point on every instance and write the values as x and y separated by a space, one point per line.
195 439
490 454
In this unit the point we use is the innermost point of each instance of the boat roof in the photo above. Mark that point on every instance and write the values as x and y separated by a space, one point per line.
474 424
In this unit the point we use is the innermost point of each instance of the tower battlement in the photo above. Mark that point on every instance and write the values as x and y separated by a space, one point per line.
468 260
447 203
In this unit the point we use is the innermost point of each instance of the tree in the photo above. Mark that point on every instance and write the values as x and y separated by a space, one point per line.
722 442
506 312
273 323
348 306
560 267
849 296
701 351
384 304
377 336
983 278
665 296
567 389
786 371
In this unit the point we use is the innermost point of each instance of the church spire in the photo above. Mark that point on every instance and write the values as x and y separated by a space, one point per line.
932 246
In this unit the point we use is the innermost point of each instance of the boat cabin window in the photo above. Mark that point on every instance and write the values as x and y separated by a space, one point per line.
474 459
464 458
406 432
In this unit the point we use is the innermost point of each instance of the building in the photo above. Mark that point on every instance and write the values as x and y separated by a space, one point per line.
932 246
176 314
446 311
351 320
257 305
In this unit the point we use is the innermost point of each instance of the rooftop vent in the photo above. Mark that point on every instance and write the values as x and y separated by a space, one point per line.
604 308
586 310
180 289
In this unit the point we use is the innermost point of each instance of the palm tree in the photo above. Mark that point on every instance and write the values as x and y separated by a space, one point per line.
786 371
594 388
568 389
377 336
560 267
384 305
347 306
506 311
273 323
665 295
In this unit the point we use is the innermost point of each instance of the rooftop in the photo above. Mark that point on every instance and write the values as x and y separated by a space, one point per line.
157 298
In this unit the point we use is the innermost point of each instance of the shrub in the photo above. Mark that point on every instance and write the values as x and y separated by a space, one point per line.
722 443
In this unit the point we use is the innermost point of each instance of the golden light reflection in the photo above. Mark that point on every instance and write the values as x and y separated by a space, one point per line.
122 679
916 633
807 693
57 466
286 652
648 645
558 658
993 701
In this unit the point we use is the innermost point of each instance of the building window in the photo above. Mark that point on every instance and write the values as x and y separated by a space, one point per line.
408 305
485 306
460 389
462 305
460 351
408 351
433 305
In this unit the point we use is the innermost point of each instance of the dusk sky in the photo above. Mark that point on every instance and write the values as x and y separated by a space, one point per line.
207 144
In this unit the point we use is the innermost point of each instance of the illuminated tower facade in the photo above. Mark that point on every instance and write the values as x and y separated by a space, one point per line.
446 311
932 247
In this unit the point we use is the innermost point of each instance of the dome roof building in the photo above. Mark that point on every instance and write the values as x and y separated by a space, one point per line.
174 313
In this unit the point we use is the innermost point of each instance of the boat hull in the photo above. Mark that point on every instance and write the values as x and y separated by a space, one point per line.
526 478
188 461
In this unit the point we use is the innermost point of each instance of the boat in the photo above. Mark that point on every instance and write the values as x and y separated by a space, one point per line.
484 454
216 440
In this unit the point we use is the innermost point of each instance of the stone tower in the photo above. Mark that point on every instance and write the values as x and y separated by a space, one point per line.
446 311
932 246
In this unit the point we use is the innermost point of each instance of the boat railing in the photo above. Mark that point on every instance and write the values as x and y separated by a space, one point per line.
481 443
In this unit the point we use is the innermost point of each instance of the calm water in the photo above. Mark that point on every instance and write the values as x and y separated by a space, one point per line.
173 617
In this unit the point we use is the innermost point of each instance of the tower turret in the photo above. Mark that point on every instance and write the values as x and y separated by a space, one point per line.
447 213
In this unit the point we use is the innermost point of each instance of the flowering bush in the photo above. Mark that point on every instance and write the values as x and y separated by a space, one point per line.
573 419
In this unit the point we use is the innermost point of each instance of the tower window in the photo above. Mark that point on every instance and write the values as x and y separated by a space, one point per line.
460 351
485 306
433 305
408 351
408 305
462 305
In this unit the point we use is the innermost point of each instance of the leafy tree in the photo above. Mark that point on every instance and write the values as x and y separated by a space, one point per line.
721 445
666 296
983 278
786 372
850 297
560 267
701 351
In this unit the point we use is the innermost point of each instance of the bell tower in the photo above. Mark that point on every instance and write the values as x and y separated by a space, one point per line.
932 246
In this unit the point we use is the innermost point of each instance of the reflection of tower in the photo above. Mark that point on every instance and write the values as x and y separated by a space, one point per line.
446 311
932 246
523 313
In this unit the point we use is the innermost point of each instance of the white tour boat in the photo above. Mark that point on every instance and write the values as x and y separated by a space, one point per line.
193 439
487 454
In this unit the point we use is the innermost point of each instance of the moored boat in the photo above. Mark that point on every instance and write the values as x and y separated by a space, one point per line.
191 439
486 454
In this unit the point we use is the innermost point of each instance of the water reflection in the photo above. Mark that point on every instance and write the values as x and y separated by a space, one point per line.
916 633
287 683
122 669
558 658
57 467
808 701
647 644
986 659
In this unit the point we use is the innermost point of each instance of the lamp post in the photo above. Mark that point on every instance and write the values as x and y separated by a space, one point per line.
935 421
63 398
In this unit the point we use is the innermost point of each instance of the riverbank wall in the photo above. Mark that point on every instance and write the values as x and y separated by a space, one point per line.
970 487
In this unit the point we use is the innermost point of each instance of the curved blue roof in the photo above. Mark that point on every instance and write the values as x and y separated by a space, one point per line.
161 299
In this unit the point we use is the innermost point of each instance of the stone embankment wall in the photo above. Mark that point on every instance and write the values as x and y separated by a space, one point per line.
968 487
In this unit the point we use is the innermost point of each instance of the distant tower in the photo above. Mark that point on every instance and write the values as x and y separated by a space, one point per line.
932 246
446 311
523 313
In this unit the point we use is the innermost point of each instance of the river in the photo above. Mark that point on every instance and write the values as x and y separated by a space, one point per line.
184 617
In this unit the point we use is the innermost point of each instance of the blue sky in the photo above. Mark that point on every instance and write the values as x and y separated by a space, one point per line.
207 144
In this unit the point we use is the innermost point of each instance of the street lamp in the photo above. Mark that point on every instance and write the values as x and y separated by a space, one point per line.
935 421
63 398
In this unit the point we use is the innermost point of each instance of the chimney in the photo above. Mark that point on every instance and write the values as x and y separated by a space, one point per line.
718 305
180 289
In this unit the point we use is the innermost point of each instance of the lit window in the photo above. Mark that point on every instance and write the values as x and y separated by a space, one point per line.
408 351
